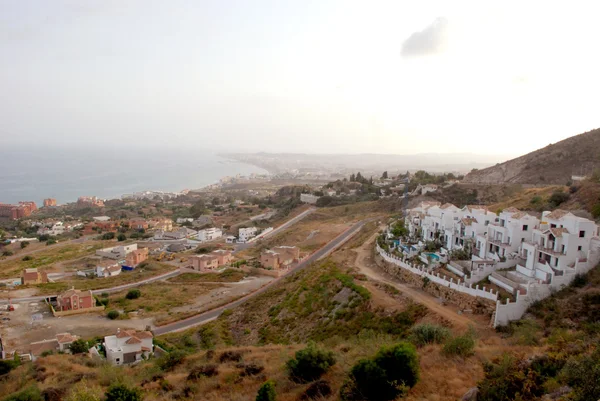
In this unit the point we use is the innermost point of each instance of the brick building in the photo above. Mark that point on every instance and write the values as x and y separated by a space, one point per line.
33 276
75 300
280 257
49 202
13 212
136 257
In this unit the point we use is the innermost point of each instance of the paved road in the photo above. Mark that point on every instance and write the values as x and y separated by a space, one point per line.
287 224
214 313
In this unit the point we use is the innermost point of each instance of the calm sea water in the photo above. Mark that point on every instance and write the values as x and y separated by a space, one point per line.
35 174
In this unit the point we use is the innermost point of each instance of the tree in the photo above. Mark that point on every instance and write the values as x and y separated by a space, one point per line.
121 237
120 392
352 177
557 198
399 229
24 244
266 392
359 177
113 314
384 175
400 363
310 363
133 294
197 209
108 236
79 346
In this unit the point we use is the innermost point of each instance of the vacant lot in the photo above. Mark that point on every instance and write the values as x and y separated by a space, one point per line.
48 255
227 276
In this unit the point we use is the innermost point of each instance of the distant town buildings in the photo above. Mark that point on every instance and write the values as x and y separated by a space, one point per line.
89 201
13 212
49 202
33 276
128 346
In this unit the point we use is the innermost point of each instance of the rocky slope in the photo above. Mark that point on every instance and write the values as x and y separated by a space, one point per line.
554 164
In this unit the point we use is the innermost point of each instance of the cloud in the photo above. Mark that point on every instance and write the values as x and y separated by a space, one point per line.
430 40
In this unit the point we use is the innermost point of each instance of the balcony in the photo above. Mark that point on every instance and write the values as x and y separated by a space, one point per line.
550 251
499 243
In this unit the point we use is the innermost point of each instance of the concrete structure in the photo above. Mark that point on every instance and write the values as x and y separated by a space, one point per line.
75 300
209 234
101 218
211 261
280 257
136 257
13 212
309 198
49 202
33 276
117 252
128 346
245 234
179 234
230 239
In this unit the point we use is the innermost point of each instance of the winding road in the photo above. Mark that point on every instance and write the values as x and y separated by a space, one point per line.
208 316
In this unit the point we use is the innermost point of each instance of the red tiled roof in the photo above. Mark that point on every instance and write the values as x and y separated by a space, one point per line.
557 214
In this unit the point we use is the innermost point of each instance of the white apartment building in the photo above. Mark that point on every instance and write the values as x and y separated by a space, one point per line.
128 346
245 234
209 234
117 252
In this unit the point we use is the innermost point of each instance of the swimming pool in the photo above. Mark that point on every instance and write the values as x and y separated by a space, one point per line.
432 256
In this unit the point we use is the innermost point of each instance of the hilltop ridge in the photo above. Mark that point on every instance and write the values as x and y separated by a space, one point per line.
553 164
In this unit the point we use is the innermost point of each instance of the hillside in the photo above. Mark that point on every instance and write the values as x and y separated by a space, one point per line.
554 164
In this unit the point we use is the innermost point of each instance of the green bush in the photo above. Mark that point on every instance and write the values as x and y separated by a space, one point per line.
459 346
79 346
31 393
108 236
27 258
310 363
120 392
172 359
113 314
508 379
7 365
121 237
423 334
388 375
133 294
266 392
7 253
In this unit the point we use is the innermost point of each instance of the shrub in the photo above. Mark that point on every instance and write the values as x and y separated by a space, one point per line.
79 346
133 294
250 369
7 253
558 197
172 359
203 371
536 200
389 374
579 281
83 391
459 346
26 258
108 236
227 356
31 393
596 210
423 334
508 379
584 377
7 365
310 363
317 390
51 241
121 237
120 392
24 244
113 314
266 392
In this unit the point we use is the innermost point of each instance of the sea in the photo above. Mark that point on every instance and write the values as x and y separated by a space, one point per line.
66 174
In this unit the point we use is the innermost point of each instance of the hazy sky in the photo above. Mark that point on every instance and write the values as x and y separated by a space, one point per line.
321 76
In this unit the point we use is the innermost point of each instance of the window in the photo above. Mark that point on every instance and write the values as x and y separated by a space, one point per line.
487 222
563 250
581 234
552 225
579 248
525 227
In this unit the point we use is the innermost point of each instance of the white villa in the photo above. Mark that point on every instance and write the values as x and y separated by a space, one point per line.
245 234
209 234
116 252
128 346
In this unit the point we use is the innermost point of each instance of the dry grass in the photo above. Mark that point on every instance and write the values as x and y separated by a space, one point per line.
522 199
227 276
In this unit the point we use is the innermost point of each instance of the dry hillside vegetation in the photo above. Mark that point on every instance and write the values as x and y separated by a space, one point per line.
554 164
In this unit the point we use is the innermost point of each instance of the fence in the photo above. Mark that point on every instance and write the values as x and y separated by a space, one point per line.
458 285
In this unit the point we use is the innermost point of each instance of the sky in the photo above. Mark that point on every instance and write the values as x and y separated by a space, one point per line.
325 76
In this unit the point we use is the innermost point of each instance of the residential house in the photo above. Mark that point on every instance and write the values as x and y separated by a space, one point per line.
247 233
209 234
128 346
61 343
49 202
136 257
75 300
211 261
280 257
33 276
162 224
108 270
100 226
230 239
117 252
181 220
101 218
179 234
138 224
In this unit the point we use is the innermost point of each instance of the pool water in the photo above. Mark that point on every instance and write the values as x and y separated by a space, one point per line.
432 256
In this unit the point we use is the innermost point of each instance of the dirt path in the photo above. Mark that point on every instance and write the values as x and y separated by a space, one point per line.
362 255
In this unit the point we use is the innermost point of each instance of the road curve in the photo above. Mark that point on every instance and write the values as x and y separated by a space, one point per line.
212 314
